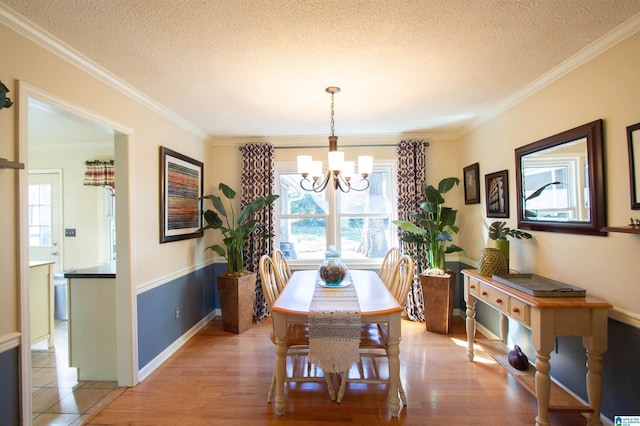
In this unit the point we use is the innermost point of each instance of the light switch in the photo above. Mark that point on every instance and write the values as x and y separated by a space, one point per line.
70 232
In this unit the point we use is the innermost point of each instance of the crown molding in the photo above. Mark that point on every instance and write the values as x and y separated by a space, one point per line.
343 140
33 32
615 36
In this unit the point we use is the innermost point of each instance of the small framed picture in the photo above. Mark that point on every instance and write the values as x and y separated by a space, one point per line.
497 191
181 183
633 138
472 184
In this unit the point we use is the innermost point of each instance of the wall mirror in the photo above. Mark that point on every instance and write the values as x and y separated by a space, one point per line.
560 182
633 137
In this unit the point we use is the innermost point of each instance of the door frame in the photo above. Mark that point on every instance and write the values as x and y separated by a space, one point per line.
126 296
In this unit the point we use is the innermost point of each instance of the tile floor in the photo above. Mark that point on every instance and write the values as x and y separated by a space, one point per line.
58 397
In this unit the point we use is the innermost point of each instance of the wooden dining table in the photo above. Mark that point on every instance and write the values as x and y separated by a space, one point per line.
377 306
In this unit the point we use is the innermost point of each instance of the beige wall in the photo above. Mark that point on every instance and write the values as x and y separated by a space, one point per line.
27 63
606 87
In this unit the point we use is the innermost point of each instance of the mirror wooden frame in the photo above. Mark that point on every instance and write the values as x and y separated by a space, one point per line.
633 138
597 202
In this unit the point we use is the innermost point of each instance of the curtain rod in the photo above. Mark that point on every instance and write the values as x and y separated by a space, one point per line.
343 146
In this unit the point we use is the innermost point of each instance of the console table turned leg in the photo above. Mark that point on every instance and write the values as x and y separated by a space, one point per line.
471 327
594 386
543 387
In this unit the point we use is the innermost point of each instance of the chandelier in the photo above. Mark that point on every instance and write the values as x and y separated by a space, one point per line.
339 171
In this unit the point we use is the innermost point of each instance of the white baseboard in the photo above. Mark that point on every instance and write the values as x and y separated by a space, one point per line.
144 372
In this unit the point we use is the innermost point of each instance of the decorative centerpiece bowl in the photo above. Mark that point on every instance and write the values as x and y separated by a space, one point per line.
333 270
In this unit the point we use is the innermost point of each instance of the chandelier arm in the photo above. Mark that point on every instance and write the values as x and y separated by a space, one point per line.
341 183
318 185
345 185
363 188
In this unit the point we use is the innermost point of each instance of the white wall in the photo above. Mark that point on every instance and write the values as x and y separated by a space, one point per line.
606 87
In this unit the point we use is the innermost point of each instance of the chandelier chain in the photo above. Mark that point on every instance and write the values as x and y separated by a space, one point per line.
332 119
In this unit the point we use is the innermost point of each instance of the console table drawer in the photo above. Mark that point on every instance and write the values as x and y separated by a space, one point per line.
474 286
520 311
495 298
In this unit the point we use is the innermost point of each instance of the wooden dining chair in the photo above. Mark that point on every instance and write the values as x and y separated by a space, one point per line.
374 338
388 264
297 334
281 264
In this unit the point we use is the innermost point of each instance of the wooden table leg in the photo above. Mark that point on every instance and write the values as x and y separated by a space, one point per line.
280 330
543 387
543 340
394 363
504 328
471 327
596 345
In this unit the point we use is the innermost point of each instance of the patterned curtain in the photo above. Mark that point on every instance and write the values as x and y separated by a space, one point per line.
258 180
100 173
411 181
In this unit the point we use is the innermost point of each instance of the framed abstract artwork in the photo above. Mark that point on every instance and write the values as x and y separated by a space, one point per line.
497 193
472 184
181 183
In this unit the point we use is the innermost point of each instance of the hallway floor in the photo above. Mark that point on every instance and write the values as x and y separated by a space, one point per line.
58 397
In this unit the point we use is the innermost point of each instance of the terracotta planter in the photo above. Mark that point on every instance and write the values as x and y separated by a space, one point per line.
438 293
237 295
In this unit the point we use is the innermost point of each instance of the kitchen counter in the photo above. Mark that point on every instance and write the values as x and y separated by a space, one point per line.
92 322
106 270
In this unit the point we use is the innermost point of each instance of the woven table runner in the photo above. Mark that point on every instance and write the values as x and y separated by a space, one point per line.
334 327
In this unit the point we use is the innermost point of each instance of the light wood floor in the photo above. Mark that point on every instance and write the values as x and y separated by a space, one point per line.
222 378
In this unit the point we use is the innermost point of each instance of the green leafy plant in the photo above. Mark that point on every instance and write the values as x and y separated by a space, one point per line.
5 102
433 226
499 230
234 230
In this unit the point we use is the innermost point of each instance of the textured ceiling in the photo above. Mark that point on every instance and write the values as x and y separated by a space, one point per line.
260 67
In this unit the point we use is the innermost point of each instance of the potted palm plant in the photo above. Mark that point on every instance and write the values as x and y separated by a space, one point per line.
236 286
431 230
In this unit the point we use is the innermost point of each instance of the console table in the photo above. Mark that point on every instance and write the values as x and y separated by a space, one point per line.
546 318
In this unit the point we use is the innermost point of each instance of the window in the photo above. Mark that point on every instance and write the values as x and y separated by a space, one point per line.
357 223
559 201
40 224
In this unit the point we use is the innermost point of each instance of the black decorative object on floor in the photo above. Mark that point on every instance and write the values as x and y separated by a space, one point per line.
518 359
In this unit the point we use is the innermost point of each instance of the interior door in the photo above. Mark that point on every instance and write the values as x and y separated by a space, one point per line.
45 222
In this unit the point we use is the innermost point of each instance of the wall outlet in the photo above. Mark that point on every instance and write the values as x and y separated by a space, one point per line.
177 314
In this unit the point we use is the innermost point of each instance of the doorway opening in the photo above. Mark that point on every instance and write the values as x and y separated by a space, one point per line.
56 139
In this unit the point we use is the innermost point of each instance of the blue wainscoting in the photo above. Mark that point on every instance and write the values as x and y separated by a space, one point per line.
194 295
10 387
620 367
